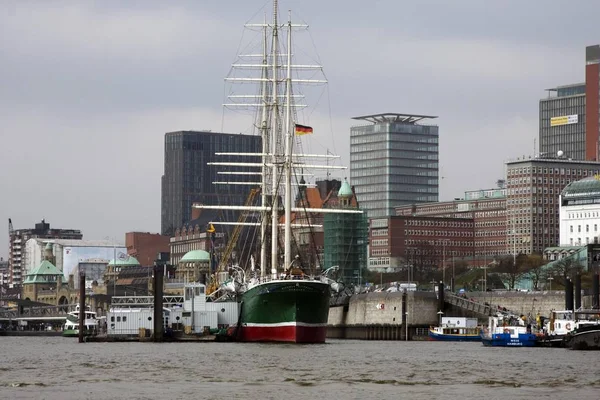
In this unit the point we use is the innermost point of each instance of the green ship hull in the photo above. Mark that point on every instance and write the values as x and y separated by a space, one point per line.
285 311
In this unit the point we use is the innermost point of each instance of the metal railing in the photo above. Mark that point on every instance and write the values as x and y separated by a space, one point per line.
148 301
25 311
485 309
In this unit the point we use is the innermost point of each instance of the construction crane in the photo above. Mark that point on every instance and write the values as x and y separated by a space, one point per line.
231 244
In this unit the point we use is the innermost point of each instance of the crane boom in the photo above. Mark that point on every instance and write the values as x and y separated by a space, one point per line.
235 234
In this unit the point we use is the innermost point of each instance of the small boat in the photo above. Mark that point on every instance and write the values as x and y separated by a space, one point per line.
586 332
557 327
71 326
585 337
456 329
508 331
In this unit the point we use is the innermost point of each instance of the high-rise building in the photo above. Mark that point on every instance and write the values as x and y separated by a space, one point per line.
17 256
569 116
393 161
562 127
188 178
592 105
533 189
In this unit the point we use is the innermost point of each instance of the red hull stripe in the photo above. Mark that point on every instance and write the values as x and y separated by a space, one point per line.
287 333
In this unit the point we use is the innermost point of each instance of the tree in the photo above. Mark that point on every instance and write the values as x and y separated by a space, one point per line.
533 266
512 268
565 267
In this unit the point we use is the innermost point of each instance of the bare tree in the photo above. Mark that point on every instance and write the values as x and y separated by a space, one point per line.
533 267
512 268
567 267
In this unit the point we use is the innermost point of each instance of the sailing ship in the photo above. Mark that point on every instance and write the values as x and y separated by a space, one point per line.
288 304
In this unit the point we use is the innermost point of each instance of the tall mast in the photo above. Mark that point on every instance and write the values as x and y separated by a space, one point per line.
288 149
265 149
274 129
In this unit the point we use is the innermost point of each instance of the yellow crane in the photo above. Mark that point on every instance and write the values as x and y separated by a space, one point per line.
235 234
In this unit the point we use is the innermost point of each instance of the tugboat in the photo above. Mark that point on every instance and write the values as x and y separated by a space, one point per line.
586 332
508 331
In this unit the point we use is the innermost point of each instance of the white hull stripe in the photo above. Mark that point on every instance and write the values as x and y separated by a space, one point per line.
280 324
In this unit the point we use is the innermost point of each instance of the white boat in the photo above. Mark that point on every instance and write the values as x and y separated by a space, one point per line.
508 331
90 323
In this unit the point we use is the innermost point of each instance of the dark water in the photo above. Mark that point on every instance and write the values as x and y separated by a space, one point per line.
61 368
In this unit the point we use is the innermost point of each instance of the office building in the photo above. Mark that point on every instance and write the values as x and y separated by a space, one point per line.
487 211
17 257
393 161
188 178
426 243
533 189
569 116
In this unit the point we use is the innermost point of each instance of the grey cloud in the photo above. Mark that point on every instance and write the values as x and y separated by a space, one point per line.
88 89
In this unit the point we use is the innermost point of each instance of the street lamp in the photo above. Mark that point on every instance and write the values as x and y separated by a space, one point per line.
550 279
444 260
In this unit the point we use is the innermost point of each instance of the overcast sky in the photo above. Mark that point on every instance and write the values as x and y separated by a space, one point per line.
88 89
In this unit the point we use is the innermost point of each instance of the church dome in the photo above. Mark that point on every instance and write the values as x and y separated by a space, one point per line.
125 262
345 190
195 256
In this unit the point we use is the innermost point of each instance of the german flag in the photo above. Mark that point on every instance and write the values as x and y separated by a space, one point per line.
303 129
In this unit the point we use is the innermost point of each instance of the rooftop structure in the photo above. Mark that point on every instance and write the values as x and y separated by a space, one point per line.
394 117
393 161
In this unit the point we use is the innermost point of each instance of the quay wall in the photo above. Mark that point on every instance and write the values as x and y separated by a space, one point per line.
379 316
530 302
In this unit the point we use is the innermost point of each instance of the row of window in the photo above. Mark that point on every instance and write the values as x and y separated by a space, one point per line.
557 171
379 242
439 233
442 223
587 241
583 215
587 228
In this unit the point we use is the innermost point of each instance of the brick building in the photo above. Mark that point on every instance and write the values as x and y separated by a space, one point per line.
145 246
421 241
485 208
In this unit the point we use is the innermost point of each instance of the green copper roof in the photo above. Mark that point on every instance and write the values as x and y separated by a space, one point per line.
196 256
46 272
345 190
584 188
125 262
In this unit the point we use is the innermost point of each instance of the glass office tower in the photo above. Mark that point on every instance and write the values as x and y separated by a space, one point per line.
188 178
394 161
